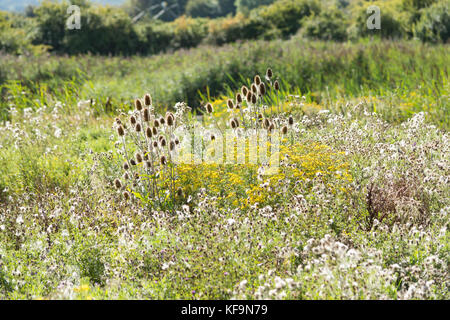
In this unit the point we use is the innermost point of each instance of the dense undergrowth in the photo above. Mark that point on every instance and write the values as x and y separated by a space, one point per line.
397 78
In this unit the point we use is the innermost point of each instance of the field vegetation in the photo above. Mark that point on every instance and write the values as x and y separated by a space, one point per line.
93 205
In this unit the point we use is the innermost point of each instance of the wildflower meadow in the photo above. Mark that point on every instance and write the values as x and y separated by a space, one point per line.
271 168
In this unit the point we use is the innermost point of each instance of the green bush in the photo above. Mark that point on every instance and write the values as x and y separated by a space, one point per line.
434 24
203 8
328 25
287 15
245 6
394 23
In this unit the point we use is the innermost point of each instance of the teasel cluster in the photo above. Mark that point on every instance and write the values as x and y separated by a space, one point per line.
148 170
249 111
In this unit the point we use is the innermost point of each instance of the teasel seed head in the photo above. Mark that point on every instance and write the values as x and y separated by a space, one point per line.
126 176
262 89
170 119
254 99
257 80
162 121
148 164
138 127
146 115
209 108
145 156
244 91
177 142
163 160
171 145
148 99
120 131
118 121
271 127
133 120
260 117
249 96
132 162
291 120
156 123
163 142
213 137
138 157
126 195
236 121
136 176
284 130
276 85
138 104
155 131
266 123
148 132
230 104
126 166
254 88
117 183
238 98
155 144
180 192
233 124
269 74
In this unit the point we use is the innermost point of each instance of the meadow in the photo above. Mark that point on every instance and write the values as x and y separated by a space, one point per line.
358 209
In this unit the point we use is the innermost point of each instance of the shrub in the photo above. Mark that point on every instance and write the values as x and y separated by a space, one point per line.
393 21
434 24
203 8
245 6
287 15
328 25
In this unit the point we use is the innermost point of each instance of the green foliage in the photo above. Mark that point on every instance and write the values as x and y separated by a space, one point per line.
434 24
330 24
286 15
203 8
245 6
